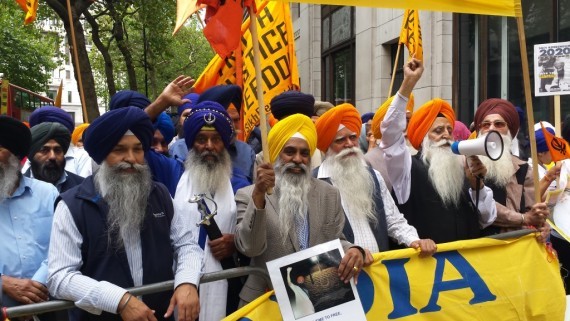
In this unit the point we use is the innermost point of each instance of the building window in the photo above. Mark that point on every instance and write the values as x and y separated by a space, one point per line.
69 96
338 54
51 94
295 10
399 66
67 74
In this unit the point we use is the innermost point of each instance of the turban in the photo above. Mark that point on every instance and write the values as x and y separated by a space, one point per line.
460 131
501 107
164 124
423 119
541 143
566 128
45 132
223 95
126 98
321 107
292 102
107 130
546 124
211 114
327 125
366 117
280 134
193 101
52 115
381 113
78 133
15 136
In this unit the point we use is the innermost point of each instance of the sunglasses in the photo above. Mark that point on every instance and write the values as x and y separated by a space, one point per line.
497 124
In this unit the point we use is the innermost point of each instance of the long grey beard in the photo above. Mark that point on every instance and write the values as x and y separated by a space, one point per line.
445 170
209 176
126 195
501 170
293 194
9 174
350 175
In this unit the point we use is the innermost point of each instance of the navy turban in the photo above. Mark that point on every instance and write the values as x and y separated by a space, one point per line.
50 114
292 102
193 101
15 136
223 95
125 98
208 113
366 117
44 132
541 144
164 124
107 130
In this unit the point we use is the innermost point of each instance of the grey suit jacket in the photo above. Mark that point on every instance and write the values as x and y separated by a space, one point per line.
257 234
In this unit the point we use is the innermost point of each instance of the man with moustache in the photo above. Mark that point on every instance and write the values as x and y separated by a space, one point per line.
509 177
26 212
302 211
118 229
50 142
208 132
371 215
435 189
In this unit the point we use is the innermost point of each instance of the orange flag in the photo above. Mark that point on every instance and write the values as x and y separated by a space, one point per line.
558 147
411 34
57 102
30 7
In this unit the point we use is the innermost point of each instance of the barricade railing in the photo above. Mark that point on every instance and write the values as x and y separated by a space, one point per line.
49 306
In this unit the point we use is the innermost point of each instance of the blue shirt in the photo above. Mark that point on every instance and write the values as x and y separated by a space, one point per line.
25 227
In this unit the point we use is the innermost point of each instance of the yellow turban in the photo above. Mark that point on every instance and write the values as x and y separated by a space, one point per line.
78 133
423 119
285 129
381 113
327 125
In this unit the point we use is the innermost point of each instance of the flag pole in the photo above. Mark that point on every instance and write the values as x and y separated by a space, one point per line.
557 117
529 110
394 70
259 87
77 69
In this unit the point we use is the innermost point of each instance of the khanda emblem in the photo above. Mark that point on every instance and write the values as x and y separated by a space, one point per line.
558 145
210 118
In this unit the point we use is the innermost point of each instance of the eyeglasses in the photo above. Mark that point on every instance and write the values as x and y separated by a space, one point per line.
497 124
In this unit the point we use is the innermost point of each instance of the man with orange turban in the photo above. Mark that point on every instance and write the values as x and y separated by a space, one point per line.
435 190
301 213
371 215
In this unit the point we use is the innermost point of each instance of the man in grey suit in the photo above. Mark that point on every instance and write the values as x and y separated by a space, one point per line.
302 213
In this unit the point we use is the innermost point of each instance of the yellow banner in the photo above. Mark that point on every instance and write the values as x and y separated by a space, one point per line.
278 62
481 280
4 96
411 34
510 8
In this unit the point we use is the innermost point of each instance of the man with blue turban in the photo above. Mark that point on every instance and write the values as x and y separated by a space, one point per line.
208 131
302 212
177 148
163 134
105 227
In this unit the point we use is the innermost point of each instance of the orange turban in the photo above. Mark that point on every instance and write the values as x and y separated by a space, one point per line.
78 133
423 118
285 129
381 113
327 125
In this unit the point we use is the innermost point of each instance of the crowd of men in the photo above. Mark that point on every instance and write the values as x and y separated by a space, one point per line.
87 212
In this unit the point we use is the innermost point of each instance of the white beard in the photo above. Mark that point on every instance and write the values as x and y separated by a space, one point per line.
501 170
350 175
208 176
445 170
127 196
293 195
9 176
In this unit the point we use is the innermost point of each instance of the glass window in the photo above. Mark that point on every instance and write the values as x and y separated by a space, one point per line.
69 96
399 69
343 76
341 25
326 33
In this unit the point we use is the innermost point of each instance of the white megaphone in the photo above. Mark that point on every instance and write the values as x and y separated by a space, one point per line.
491 145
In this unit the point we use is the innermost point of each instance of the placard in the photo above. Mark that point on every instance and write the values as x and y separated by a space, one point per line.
552 69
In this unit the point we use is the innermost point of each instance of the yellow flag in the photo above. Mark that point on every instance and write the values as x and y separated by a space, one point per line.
57 102
278 62
263 308
509 8
30 7
411 34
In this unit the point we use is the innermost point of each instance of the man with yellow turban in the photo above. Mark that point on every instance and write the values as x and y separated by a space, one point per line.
371 215
301 213
436 190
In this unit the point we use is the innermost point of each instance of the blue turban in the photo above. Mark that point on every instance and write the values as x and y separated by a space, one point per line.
15 136
164 124
292 102
208 113
125 98
193 101
51 114
223 95
107 130
366 117
541 144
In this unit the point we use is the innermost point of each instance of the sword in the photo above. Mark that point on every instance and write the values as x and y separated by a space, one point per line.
207 221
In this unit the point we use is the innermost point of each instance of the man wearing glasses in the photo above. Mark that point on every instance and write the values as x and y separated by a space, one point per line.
509 177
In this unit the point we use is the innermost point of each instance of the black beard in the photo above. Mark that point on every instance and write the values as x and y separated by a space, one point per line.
49 171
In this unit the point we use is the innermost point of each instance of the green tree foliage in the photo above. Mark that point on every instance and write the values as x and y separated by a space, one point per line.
26 52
